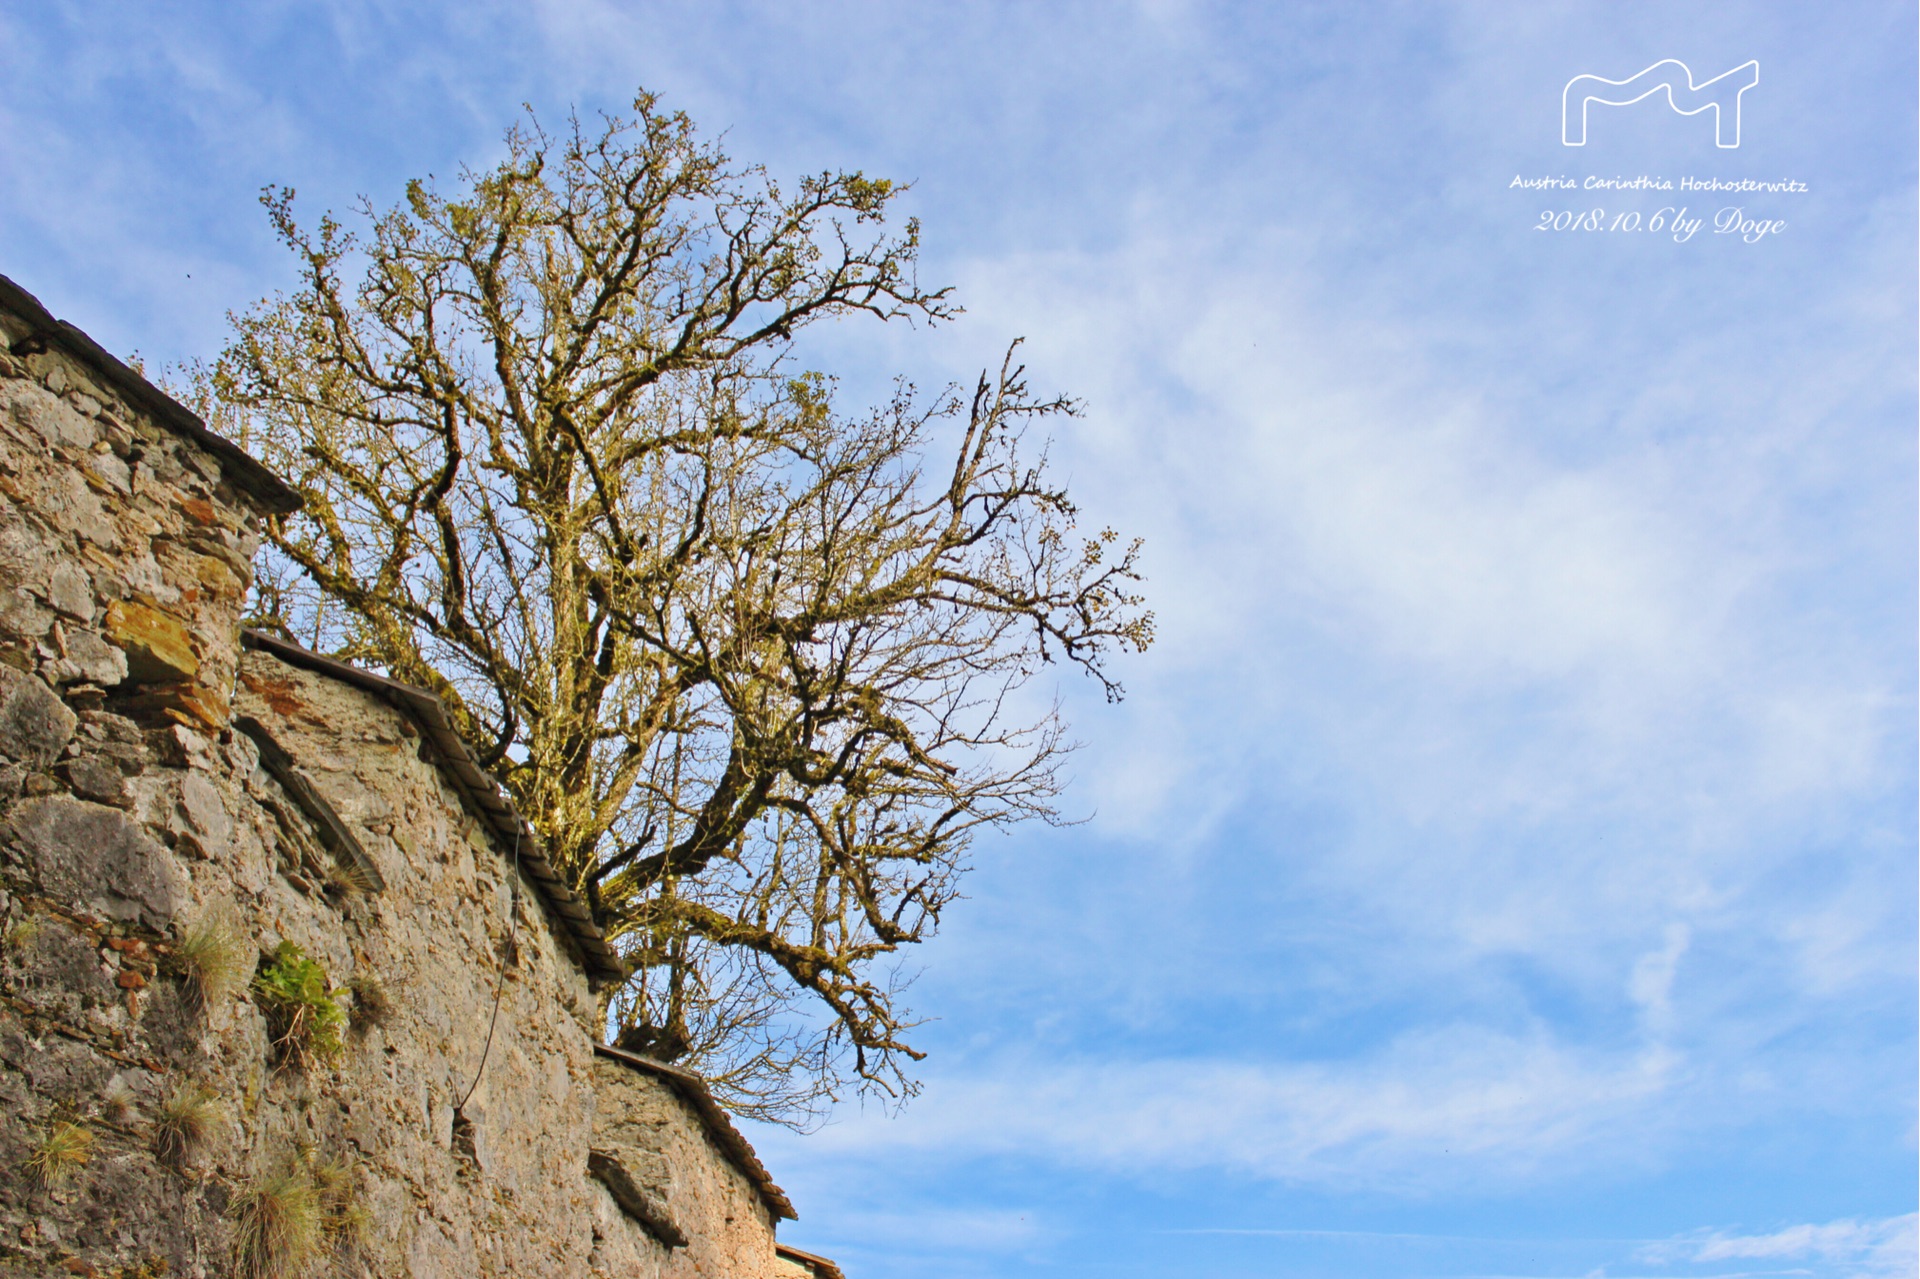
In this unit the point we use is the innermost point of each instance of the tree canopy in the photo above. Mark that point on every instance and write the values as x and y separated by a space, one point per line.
754 666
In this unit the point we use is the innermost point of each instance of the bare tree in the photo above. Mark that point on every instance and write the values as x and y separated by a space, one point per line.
754 672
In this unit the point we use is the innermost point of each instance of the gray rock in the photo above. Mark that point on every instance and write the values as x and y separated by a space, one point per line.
70 590
53 421
89 659
162 461
112 470
22 615
105 726
96 779
94 856
95 660
116 738
116 433
35 725
60 969
201 804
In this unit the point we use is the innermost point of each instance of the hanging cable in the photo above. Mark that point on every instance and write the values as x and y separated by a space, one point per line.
513 952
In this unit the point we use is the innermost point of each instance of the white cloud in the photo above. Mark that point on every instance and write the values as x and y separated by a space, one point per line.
1385 590
1883 1248
1651 985
1579 707
1447 1108
933 1228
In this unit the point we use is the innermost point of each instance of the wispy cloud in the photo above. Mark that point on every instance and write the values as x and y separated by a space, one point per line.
1883 1248
933 1228
1384 590
1441 1108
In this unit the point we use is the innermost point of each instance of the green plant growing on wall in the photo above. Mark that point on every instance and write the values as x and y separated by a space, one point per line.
277 1225
303 1010
22 933
61 1153
213 956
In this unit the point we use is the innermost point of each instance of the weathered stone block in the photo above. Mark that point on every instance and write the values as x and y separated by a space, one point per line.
35 725
117 435
55 422
70 590
94 857
638 1183
201 805
90 659
21 615
58 969
116 739
55 1066
158 646
94 778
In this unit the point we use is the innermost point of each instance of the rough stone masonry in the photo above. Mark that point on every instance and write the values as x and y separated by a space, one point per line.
208 839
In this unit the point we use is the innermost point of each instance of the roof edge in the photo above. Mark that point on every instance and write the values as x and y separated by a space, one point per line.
487 796
247 472
693 1090
822 1267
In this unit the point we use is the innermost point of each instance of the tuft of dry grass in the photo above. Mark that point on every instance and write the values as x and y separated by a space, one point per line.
277 1225
372 1002
343 1218
346 879
213 954
61 1153
189 1117
349 1228
22 933
119 1102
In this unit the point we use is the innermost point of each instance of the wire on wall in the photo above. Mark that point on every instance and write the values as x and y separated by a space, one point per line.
500 985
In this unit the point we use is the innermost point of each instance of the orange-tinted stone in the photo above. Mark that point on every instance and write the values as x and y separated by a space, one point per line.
158 645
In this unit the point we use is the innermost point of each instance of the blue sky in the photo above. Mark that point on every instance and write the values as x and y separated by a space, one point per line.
1504 863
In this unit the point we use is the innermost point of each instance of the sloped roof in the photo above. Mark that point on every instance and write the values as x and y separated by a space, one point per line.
821 1267
692 1090
244 471
487 797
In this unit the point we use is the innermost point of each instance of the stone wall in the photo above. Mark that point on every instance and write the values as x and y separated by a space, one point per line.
124 553
169 798
671 1180
494 1186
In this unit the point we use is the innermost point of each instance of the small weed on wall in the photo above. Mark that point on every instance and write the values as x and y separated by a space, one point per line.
189 1118
289 1219
303 1010
60 1155
212 956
